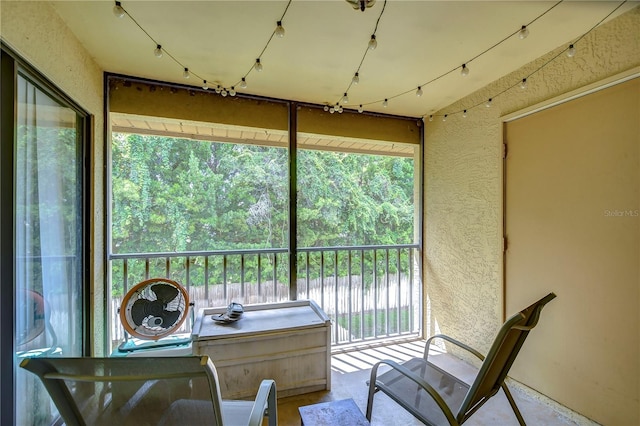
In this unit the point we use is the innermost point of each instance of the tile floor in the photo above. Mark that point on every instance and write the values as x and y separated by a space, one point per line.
350 371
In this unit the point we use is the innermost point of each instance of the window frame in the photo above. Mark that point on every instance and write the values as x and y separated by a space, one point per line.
11 65
140 98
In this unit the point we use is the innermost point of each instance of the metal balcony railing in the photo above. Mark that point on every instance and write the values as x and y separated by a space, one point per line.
369 292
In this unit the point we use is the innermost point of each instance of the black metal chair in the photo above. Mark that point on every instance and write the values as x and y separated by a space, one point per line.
437 397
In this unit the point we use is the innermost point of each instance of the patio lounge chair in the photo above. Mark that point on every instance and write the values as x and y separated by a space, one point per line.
146 391
435 396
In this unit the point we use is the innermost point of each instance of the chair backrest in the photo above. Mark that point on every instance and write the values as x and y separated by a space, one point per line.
502 354
128 391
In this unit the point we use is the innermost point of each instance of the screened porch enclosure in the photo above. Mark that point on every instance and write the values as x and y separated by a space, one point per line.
217 194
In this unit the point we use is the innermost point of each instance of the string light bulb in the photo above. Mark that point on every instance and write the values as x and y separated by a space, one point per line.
419 91
385 103
204 85
345 98
243 83
218 89
444 118
332 110
232 91
373 43
339 108
224 92
464 71
118 10
464 114
360 109
326 108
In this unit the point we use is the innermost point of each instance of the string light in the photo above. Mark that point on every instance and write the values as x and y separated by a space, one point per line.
345 98
118 11
232 91
326 108
523 83
279 30
523 33
336 108
445 117
360 109
495 45
464 114
373 43
370 46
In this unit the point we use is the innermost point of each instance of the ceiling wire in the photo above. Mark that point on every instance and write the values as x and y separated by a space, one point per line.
433 80
537 69
154 40
177 61
187 71
375 30
267 44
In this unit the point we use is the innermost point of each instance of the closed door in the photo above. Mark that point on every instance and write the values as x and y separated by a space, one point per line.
572 227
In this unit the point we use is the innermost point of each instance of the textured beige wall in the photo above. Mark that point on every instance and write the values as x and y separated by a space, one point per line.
34 31
463 180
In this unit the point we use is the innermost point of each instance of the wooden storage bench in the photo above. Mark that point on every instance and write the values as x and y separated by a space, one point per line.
289 342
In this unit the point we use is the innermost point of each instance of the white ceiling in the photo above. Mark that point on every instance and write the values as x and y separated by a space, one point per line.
325 41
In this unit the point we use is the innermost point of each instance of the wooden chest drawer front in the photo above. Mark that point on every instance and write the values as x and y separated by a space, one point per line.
237 348
293 375
297 361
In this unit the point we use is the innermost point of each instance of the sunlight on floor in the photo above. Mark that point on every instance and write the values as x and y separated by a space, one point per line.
344 362
350 371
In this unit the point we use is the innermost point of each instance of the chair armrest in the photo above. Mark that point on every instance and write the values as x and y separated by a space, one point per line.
265 399
417 380
455 342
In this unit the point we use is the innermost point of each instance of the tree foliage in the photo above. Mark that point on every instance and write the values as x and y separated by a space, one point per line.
173 195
